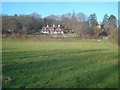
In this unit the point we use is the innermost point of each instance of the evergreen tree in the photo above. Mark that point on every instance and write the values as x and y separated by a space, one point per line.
112 22
93 24
44 22
15 15
93 20
105 19
105 24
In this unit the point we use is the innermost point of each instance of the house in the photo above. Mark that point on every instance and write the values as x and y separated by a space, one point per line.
52 30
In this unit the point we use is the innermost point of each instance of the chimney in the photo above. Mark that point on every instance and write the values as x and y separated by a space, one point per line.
98 23
53 25
58 25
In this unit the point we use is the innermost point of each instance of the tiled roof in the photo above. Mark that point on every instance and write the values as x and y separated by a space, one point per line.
48 28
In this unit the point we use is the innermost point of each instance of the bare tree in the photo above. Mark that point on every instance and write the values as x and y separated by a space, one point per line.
66 21
81 17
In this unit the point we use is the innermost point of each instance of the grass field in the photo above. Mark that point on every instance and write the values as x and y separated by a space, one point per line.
59 64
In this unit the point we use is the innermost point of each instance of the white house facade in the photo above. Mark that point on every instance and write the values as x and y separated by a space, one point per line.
52 30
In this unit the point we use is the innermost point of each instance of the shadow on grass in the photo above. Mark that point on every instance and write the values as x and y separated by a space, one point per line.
56 68
32 54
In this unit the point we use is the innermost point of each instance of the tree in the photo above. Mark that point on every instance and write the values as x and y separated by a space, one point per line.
66 21
19 27
81 17
93 24
114 35
44 22
15 14
74 22
113 21
105 19
109 23
113 30
35 15
76 26
23 24
105 24
93 20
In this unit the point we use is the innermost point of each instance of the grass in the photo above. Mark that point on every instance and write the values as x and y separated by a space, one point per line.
34 63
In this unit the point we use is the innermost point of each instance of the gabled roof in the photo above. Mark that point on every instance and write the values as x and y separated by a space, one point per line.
48 28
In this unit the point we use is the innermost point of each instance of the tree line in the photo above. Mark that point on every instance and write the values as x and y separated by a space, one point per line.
78 23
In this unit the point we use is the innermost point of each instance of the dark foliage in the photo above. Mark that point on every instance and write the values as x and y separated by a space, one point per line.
71 23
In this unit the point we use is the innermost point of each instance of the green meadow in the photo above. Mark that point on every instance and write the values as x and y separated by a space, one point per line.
55 63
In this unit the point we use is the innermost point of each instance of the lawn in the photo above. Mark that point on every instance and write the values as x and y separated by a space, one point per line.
38 63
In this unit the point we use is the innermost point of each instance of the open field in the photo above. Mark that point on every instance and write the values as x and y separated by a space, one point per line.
59 64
